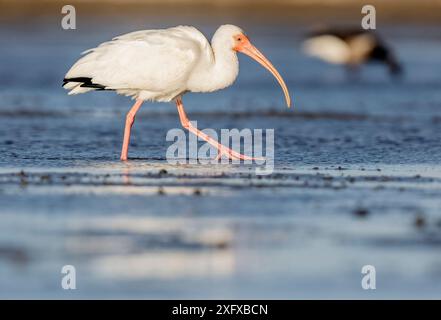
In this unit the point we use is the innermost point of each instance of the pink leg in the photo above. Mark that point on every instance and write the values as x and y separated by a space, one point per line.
223 150
130 119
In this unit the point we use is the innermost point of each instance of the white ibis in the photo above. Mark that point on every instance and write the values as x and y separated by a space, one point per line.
350 47
162 65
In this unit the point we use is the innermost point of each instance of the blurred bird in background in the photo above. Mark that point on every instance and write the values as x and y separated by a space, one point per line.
351 47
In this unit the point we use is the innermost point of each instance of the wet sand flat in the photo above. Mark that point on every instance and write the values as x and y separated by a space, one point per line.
151 230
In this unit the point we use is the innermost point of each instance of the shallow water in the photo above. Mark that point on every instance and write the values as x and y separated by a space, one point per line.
357 177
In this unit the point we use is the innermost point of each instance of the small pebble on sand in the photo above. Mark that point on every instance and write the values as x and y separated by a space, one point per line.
361 212
420 221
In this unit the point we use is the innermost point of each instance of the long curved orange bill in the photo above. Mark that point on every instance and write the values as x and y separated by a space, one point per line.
247 48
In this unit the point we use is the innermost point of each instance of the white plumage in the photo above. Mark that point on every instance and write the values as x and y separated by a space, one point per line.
328 48
336 50
153 64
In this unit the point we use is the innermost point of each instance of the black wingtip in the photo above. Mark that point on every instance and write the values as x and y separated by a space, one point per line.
85 83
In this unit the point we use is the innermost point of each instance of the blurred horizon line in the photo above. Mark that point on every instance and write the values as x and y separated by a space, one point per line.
387 10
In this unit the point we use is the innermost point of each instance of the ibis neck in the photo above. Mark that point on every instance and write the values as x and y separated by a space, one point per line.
219 70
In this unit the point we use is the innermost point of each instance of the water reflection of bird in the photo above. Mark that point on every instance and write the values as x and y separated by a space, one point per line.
162 65
351 47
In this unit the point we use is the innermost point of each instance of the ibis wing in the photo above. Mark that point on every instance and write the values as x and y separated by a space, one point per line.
152 60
